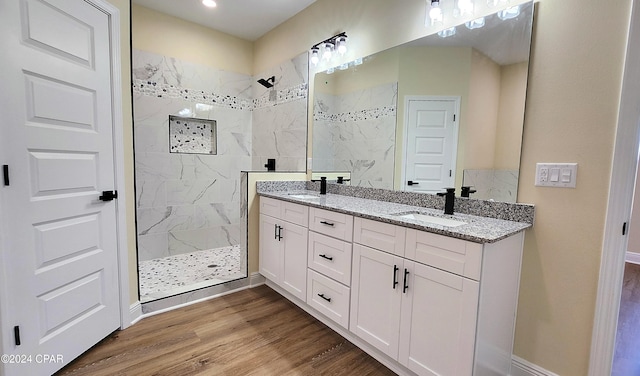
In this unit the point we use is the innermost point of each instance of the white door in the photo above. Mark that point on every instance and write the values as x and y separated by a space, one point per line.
438 323
59 251
431 139
376 292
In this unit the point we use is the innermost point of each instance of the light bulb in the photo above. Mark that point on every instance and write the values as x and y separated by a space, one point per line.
341 45
209 3
314 56
435 13
465 7
328 49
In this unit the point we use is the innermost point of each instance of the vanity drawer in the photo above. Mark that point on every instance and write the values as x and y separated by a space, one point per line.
286 211
328 297
450 254
337 225
379 235
331 257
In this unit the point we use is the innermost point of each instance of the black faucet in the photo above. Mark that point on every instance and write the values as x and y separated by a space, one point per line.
323 185
449 197
466 191
341 180
271 164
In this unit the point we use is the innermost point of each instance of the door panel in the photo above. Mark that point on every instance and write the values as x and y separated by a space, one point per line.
430 145
60 242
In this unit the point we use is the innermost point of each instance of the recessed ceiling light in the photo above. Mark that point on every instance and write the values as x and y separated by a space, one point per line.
209 3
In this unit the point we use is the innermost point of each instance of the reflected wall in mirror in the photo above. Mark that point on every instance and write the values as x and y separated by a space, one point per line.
433 113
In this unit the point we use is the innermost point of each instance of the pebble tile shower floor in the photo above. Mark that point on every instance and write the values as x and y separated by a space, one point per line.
167 276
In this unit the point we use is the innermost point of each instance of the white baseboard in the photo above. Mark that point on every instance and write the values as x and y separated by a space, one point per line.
633 257
135 312
521 367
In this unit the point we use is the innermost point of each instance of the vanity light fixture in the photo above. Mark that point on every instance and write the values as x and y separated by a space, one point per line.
209 3
509 13
475 24
327 47
447 32
435 12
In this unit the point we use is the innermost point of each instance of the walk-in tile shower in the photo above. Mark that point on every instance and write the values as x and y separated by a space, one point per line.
195 129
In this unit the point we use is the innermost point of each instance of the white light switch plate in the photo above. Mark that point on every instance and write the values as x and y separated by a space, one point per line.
562 175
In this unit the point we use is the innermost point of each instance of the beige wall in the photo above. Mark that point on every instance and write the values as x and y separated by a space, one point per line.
573 97
170 36
513 88
482 121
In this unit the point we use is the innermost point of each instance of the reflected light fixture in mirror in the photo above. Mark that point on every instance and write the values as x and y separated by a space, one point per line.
463 8
447 32
509 13
209 3
475 24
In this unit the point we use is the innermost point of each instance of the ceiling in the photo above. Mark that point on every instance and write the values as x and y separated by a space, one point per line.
246 19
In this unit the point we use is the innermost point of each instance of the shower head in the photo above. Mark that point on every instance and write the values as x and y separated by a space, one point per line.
269 82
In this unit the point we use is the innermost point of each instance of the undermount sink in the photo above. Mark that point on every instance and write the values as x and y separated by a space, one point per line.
432 219
303 196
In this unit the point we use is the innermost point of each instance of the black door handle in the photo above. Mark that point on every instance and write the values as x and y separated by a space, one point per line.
410 182
108 195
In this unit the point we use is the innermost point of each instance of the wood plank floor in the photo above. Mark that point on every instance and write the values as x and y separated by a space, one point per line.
251 332
627 355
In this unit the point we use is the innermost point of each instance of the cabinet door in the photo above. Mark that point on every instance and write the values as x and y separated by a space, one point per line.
376 291
438 322
294 253
270 256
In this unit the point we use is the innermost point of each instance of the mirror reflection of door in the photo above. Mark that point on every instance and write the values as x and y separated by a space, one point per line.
431 139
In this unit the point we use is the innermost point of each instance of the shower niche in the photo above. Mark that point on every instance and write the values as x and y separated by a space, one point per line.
192 135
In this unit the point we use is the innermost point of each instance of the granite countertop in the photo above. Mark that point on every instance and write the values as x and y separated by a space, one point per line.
476 229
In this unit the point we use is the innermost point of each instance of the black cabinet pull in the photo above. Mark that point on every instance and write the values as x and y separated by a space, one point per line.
395 276
326 223
275 232
324 297
280 233
326 257
412 183
406 286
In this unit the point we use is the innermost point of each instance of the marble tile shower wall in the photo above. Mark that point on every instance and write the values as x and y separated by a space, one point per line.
280 117
190 202
356 132
499 185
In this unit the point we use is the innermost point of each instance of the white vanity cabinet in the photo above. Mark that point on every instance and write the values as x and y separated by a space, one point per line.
283 245
419 302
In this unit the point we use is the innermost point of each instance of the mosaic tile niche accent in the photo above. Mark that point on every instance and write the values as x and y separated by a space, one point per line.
192 136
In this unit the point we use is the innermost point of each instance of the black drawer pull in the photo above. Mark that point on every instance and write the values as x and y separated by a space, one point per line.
326 257
406 286
395 276
324 297
326 223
